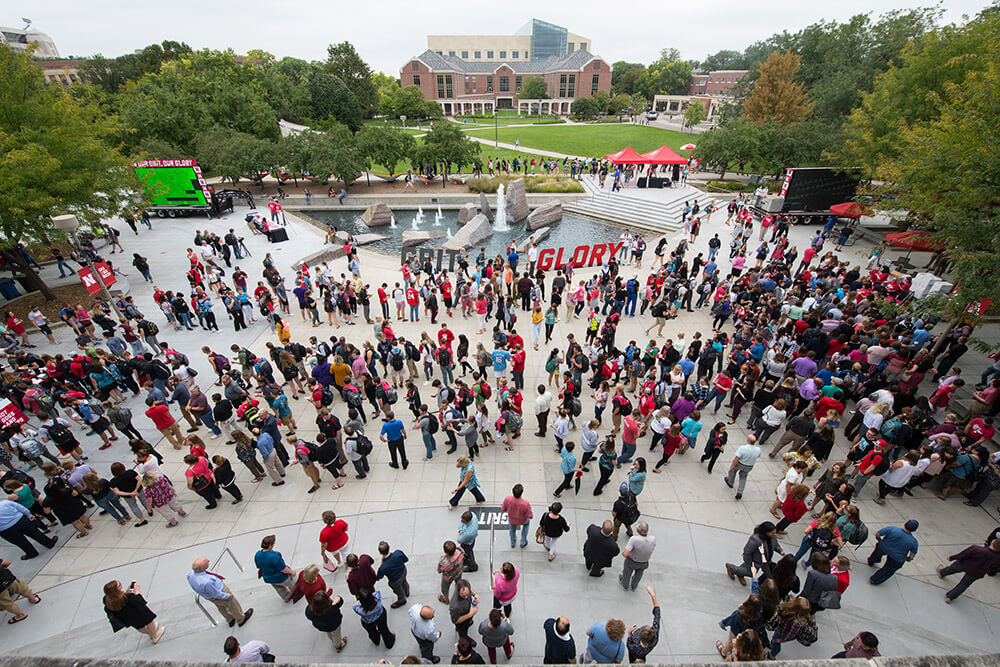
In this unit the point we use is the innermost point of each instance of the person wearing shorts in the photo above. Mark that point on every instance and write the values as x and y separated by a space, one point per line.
333 539
10 585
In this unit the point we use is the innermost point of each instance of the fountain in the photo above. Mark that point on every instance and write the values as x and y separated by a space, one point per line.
416 222
437 217
449 232
500 220
392 220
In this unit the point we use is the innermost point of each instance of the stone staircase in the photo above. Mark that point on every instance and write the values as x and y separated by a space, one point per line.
661 214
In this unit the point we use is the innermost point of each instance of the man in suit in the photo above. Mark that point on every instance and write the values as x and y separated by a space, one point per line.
600 548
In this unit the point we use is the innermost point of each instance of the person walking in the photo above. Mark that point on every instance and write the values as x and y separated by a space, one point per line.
560 648
467 481
252 651
743 462
273 569
496 631
16 527
422 627
600 548
325 615
605 642
213 588
897 545
374 618
393 568
449 567
468 531
394 434
519 515
757 553
333 540
505 587
553 526
974 563
126 608
463 607
10 585
636 556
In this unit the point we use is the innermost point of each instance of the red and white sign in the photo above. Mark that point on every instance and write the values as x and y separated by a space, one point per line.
151 164
10 414
979 307
788 181
105 277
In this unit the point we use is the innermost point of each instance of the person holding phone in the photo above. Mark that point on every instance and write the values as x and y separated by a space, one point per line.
126 608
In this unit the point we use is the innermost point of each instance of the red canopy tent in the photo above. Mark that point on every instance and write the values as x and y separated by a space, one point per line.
850 209
626 155
664 155
915 240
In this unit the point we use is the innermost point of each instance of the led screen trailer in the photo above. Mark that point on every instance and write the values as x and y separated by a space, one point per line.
174 184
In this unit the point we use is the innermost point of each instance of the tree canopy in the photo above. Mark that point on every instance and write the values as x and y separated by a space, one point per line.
330 98
385 146
533 88
344 62
776 95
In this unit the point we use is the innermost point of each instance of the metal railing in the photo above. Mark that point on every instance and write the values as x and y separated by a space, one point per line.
197 598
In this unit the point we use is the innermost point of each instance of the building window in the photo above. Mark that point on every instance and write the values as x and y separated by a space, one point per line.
517 84
595 83
440 53
416 79
451 53
445 88
514 55
583 46
415 66
597 65
572 86
505 84
440 86
465 55
503 54
569 47
489 55
450 91
478 54
562 85
489 84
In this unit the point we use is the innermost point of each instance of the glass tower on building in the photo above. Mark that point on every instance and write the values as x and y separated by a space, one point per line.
547 39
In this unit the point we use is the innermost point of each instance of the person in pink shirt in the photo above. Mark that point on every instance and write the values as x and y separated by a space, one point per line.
505 587
518 515
630 433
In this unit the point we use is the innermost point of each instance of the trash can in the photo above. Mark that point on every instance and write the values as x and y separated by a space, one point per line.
8 289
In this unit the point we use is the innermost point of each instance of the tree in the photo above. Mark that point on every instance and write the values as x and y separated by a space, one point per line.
57 158
672 78
776 96
624 76
343 61
447 144
906 94
639 102
234 155
725 59
734 142
385 146
331 98
602 100
385 87
695 113
533 88
618 104
585 108
320 154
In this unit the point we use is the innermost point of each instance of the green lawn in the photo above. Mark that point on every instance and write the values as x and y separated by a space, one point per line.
509 119
589 140
485 153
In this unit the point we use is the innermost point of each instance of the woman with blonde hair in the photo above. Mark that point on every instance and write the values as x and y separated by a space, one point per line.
126 608
311 582
160 497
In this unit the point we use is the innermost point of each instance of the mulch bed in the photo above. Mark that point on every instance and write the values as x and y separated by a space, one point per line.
71 294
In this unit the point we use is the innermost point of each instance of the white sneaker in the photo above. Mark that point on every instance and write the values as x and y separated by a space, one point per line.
215 436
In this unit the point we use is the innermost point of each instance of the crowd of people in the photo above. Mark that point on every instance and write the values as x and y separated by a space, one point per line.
794 342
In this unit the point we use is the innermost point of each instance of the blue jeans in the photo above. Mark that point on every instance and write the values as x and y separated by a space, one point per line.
883 573
185 319
429 444
447 376
524 533
63 265
630 303
415 312
803 548
113 506
712 252
718 396
209 422
628 449
137 347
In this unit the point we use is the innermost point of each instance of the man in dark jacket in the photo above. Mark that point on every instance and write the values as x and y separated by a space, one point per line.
765 535
600 548
975 563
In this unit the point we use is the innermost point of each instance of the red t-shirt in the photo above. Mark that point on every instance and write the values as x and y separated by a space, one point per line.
334 536
199 469
723 384
160 414
517 361
445 336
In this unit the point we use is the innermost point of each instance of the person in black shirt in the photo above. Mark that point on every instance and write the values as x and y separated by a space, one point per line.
125 484
560 649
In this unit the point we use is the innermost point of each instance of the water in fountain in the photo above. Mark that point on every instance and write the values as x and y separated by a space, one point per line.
500 220
416 222
392 220
437 218
420 212
439 214
449 232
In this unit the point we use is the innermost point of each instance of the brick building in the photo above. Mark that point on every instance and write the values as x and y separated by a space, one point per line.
462 87
716 84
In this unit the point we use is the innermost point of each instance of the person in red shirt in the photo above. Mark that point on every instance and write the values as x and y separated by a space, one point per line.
517 361
164 423
723 383
205 486
830 403
333 540
446 295
515 340
413 301
842 568
979 431
445 336
383 300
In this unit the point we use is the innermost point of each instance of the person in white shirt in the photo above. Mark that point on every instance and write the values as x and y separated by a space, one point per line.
542 406
588 442
252 651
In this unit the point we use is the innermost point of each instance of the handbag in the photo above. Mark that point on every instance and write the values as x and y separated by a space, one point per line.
297 592
539 536
267 657
829 599
200 483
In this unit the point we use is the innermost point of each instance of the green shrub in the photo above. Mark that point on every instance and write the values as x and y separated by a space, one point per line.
532 183
731 186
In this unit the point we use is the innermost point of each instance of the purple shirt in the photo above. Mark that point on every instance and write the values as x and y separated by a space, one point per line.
682 409
807 390
804 366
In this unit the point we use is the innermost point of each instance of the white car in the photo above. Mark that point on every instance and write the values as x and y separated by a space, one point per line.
652 115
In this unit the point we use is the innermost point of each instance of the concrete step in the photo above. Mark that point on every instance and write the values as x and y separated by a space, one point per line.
635 211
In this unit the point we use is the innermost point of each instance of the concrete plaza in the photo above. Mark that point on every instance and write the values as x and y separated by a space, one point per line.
697 523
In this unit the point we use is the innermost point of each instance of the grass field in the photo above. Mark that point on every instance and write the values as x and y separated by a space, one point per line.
485 153
589 140
509 119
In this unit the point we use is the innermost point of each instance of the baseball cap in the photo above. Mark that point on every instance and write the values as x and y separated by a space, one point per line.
911 525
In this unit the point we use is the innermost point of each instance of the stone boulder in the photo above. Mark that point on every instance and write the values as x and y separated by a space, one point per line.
466 213
377 215
412 238
472 234
327 254
537 237
365 239
517 201
545 215
484 207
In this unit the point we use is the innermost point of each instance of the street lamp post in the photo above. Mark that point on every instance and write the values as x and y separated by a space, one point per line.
496 126
69 224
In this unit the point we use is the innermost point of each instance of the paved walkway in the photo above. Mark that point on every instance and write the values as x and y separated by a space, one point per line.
698 523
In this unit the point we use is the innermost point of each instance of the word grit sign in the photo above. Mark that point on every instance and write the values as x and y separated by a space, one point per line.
490 517
549 258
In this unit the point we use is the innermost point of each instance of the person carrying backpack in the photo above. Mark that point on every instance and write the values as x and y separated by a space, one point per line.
357 446
874 464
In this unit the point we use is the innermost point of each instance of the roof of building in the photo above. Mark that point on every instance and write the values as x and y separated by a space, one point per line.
573 61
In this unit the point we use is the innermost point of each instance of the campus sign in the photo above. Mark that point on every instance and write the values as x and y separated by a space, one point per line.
11 415
490 517
93 283
549 258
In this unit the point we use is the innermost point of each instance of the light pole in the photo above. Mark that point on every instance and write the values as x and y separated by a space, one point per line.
69 224
496 126
403 118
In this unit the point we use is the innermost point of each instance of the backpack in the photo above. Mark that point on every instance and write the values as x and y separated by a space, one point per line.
432 425
59 434
859 535
364 445
158 370
585 364
309 449
821 539
352 396
412 353
550 365
396 359
624 405
515 422
631 513
575 407
390 395
151 328
96 407
882 467
180 356
486 389
246 357
221 362
326 396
